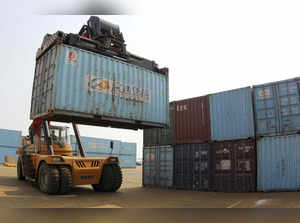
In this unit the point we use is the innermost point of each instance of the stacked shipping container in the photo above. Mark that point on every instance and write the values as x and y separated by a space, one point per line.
246 139
233 148
277 118
189 130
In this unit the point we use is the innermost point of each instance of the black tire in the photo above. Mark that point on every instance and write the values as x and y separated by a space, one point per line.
117 178
106 180
65 183
28 169
48 179
20 170
111 179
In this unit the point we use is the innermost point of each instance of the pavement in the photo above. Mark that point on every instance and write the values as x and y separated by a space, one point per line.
23 194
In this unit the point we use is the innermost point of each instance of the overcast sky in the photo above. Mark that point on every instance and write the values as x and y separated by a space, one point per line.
209 46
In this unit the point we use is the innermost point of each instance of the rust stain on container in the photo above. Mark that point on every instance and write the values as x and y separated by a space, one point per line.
234 166
192 120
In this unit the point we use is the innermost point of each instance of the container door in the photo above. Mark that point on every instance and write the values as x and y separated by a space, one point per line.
267 121
223 167
245 167
289 105
201 167
165 166
149 167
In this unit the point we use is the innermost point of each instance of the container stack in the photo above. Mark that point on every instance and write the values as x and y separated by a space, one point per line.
241 140
158 154
233 141
192 153
277 119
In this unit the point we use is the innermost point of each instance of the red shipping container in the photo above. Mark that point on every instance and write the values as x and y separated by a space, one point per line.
192 120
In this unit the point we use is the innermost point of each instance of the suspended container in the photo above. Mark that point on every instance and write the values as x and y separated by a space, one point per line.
277 107
192 120
234 166
278 163
161 136
231 114
192 170
75 85
158 166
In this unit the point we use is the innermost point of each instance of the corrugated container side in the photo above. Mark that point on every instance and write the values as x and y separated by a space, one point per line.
278 163
192 167
10 138
127 161
127 148
192 120
158 166
161 136
97 145
277 107
94 89
231 114
234 166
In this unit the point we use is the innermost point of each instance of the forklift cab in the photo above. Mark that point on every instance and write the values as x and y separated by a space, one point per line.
49 139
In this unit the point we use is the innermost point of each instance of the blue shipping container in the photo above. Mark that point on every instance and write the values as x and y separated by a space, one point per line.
278 163
10 138
89 87
158 166
96 147
6 152
231 115
277 107
127 148
127 161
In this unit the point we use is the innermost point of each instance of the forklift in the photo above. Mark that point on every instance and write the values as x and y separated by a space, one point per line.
49 162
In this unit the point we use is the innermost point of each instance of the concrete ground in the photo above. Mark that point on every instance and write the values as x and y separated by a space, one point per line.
20 194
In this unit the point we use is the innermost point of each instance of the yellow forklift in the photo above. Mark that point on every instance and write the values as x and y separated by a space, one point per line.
49 161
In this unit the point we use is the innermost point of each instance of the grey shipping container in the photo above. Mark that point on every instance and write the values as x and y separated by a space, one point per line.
277 107
158 166
278 163
71 84
234 166
192 166
161 136
231 114
192 120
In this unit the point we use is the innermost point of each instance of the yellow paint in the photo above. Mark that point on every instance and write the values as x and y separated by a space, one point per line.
84 170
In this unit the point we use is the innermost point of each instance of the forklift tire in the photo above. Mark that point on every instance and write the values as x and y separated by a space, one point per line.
117 177
20 171
111 179
65 183
106 180
48 179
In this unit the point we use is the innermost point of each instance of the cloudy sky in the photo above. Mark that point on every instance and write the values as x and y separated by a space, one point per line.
209 46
